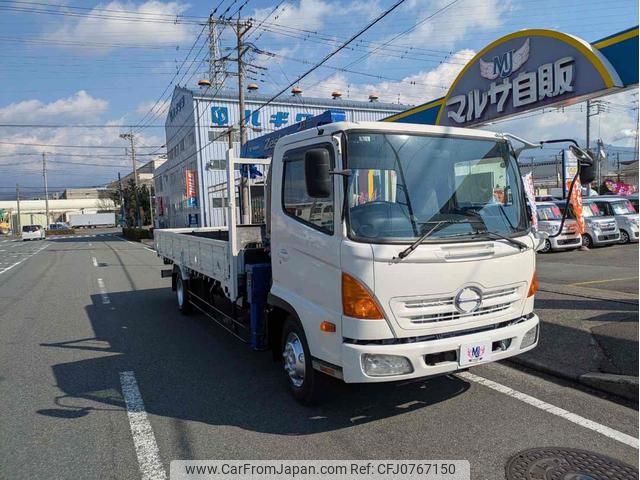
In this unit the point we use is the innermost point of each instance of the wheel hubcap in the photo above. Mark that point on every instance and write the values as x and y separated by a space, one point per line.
293 356
180 292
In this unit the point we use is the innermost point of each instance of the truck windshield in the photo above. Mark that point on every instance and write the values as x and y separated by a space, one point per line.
402 185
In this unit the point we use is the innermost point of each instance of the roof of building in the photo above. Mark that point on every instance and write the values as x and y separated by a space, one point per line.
297 99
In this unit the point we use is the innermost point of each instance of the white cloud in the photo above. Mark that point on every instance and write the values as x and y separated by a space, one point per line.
20 160
80 105
453 24
109 28
150 108
308 14
618 126
413 89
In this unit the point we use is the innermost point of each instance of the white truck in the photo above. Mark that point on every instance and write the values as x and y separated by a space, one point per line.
92 220
390 252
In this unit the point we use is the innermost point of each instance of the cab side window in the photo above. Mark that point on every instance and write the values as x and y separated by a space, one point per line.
296 201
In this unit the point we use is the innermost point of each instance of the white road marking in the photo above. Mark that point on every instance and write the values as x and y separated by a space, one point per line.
552 409
150 249
6 269
144 439
94 261
103 292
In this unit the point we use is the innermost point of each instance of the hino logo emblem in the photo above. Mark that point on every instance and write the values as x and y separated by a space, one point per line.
468 300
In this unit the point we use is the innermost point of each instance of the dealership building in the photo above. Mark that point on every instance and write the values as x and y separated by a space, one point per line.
190 186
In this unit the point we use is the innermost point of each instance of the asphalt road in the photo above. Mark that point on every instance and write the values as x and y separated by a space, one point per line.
77 314
614 267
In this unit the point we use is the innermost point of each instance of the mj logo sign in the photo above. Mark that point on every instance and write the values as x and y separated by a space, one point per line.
504 65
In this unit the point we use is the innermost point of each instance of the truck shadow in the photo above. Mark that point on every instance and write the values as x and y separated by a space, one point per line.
188 368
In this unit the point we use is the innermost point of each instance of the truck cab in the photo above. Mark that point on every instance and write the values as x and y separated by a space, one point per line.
625 214
450 199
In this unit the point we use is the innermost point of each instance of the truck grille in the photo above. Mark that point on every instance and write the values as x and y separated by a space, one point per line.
442 309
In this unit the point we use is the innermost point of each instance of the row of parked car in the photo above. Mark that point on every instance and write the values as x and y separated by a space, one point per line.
608 219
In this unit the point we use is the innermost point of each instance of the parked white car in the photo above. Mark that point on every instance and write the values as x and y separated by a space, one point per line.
549 219
625 214
32 232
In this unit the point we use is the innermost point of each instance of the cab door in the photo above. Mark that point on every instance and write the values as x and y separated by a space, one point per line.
305 248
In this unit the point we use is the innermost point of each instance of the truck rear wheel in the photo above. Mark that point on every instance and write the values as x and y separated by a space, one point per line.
304 381
182 295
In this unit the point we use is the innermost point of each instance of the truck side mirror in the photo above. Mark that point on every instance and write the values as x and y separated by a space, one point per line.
317 165
587 174
587 167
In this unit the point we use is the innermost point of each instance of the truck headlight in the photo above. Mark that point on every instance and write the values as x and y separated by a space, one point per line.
385 365
530 337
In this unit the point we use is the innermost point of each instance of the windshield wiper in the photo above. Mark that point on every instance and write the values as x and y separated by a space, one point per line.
495 235
424 236
498 236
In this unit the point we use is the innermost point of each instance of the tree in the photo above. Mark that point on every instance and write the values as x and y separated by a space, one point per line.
129 200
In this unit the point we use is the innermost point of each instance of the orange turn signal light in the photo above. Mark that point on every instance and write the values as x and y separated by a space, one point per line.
327 327
533 288
357 301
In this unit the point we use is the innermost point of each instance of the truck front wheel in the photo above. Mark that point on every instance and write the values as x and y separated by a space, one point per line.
182 295
302 378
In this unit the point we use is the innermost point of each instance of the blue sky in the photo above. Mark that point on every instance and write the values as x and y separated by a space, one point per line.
86 62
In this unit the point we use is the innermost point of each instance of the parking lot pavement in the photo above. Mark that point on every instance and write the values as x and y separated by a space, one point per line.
98 366
588 307
610 268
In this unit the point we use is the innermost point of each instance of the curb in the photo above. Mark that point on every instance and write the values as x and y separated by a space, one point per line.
624 386
587 292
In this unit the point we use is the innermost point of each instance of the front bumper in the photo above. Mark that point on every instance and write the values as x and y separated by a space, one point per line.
566 241
605 237
352 365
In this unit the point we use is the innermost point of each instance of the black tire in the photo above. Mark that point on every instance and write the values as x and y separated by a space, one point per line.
182 295
308 389
587 241
547 246
624 237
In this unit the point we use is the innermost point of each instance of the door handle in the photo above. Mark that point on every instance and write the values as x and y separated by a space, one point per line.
283 254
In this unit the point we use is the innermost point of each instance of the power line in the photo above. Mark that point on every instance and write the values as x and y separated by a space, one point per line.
57 145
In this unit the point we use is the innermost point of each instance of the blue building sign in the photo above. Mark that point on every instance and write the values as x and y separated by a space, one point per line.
220 117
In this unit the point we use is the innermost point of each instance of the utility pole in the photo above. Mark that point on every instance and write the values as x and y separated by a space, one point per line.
618 164
216 64
18 226
600 107
46 188
588 122
241 29
121 200
151 204
131 137
600 147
